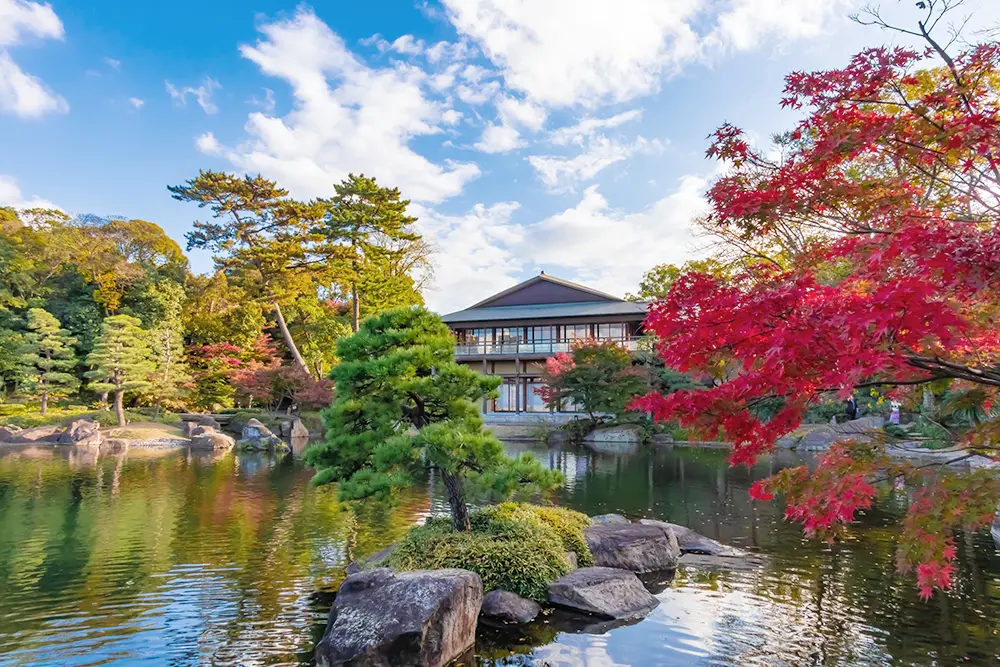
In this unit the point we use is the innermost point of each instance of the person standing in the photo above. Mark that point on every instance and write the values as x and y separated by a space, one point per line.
852 408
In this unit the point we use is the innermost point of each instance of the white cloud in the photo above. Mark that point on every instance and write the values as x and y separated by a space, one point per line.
451 117
485 240
202 94
608 249
590 243
512 110
586 52
346 117
267 103
407 45
477 93
21 93
587 127
208 144
499 139
562 173
113 63
136 102
10 195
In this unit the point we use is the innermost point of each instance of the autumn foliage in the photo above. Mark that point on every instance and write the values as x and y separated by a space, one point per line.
893 177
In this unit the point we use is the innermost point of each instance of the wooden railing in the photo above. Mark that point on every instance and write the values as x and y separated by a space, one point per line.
513 349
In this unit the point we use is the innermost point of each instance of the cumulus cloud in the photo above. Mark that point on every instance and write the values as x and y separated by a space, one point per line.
561 173
346 116
202 94
587 127
208 144
499 139
10 195
136 102
21 93
267 103
562 53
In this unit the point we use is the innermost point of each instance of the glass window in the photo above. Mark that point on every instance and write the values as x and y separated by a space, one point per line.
612 331
577 331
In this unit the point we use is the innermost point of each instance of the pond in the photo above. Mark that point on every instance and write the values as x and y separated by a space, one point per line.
175 559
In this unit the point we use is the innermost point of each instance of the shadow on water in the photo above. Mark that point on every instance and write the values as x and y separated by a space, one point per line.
182 559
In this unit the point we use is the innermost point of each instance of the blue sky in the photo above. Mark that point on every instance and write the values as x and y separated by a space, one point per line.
564 135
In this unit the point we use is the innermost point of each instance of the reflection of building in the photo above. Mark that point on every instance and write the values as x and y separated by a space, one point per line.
512 333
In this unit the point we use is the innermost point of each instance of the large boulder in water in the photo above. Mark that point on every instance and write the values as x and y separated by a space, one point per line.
608 518
507 607
614 439
691 542
633 547
210 421
426 618
209 440
82 432
603 591
257 437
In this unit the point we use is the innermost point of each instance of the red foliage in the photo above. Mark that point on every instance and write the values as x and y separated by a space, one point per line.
893 172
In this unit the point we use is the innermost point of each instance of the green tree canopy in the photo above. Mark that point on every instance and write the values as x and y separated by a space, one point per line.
402 405
121 360
596 376
374 247
45 359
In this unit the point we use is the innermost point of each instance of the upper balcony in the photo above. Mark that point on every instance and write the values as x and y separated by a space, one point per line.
538 348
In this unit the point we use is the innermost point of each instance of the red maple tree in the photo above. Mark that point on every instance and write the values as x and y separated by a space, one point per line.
892 183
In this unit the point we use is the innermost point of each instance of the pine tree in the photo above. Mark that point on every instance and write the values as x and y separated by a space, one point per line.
170 380
121 360
370 227
402 405
45 359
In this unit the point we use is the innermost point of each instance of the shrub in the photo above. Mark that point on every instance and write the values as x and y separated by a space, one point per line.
517 548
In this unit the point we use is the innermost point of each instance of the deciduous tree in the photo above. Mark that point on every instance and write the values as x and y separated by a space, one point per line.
403 404
596 376
895 167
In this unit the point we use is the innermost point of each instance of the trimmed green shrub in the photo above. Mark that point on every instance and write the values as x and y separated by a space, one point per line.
513 547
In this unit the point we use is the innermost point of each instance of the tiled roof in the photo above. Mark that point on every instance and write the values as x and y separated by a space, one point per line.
548 311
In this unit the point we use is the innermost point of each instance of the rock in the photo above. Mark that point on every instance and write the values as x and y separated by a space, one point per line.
691 542
374 560
614 440
285 429
82 432
114 446
257 437
39 434
860 426
663 440
507 607
189 428
7 433
603 591
211 440
425 618
299 430
198 430
602 519
995 529
635 547
572 560
209 420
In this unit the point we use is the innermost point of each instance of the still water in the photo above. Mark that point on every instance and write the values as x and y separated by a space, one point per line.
175 559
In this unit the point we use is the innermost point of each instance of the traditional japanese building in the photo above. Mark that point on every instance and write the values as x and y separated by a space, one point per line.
513 332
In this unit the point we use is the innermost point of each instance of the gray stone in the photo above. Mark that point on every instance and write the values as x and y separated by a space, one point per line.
603 591
82 432
114 446
508 607
299 430
691 542
381 619
995 529
602 519
285 429
39 434
374 560
189 428
212 441
7 433
614 440
572 559
635 547
209 420
257 437
198 430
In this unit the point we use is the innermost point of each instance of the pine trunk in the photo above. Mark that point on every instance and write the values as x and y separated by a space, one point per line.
119 407
45 402
456 501
286 335
355 309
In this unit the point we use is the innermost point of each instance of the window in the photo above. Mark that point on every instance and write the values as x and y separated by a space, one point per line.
577 331
611 331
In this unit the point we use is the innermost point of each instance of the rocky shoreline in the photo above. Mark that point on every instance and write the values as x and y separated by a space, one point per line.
430 617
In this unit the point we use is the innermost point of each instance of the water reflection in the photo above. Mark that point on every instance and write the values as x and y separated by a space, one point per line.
189 559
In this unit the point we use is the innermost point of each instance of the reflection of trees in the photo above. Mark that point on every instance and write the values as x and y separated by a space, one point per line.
207 559
844 603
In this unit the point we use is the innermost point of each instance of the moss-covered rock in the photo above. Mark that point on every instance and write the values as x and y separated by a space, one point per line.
512 547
